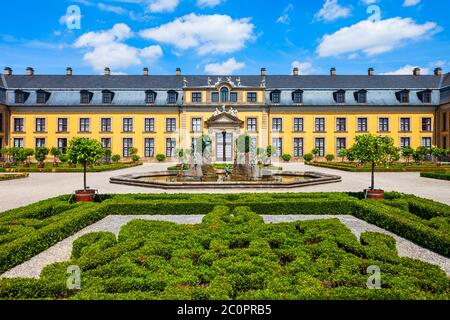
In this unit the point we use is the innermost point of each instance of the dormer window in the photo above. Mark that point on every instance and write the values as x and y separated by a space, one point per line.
85 97
339 96
42 96
402 96
224 95
107 97
424 96
361 96
172 97
21 96
275 96
297 96
150 96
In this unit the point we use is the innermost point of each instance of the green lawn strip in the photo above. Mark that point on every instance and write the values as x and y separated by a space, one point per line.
436 175
65 168
234 255
395 167
27 231
12 176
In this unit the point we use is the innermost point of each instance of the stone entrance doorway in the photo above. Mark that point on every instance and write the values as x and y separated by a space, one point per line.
224 146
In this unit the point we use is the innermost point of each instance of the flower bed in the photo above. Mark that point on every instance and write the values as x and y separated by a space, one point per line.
394 167
12 176
436 175
234 255
66 168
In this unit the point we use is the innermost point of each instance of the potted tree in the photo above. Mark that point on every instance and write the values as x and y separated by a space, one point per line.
40 155
29 152
315 152
84 151
343 153
7 153
407 153
55 153
375 150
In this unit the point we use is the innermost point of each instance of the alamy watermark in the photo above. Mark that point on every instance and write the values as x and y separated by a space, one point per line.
74 279
73 17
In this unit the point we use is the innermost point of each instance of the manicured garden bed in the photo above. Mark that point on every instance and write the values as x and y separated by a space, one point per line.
436 175
393 167
13 176
234 255
27 231
63 167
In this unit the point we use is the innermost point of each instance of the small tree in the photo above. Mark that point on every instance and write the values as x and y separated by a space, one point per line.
40 155
107 155
437 153
315 152
343 154
7 153
407 153
376 150
56 153
420 154
84 151
19 155
329 157
115 158
29 152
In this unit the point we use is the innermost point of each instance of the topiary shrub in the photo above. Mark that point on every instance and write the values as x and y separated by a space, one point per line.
286 157
329 157
135 158
115 158
308 157
160 157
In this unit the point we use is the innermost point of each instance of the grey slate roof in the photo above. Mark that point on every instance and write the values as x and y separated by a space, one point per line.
446 80
78 82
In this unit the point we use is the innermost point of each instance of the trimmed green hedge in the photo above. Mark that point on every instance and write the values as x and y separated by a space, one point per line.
12 176
27 231
394 167
233 254
65 168
436 175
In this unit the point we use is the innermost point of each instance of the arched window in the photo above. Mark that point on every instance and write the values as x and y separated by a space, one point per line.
224 94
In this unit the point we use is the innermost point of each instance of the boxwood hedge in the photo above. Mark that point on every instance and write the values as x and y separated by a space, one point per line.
26 231
234 255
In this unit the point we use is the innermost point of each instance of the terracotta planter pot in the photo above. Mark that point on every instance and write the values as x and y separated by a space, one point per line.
376 194
85 195
40 165
6 165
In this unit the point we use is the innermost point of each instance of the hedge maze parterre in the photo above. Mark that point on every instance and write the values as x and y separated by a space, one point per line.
232 254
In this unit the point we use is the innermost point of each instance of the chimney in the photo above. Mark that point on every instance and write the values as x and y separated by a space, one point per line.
178 72
295 72
8 71
107 71
371 72
30 71
69 71
263 72
332 72
145 71
416 72
438 72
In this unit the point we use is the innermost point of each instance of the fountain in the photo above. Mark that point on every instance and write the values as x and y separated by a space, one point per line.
245 173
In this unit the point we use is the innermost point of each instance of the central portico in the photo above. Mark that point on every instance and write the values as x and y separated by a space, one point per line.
223 129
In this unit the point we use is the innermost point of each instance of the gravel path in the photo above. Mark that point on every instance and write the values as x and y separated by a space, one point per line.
62 250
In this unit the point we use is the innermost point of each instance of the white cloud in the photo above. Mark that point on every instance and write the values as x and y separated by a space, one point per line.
225 68
114 9
285 17
151 53
159 6
408 70
107 48
410 3
331 11
304 68
375 37
204 33
208 3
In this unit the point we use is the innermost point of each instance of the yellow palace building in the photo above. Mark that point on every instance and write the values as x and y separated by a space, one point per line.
159 113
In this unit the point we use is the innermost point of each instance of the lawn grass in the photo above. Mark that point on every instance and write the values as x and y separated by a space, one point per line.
234 255
64 167
436 175
12 176
393 167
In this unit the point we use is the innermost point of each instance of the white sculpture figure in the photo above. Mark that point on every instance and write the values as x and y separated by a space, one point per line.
209 81
263 82
217 112
185 82
233 112
219 79
238 80
229 80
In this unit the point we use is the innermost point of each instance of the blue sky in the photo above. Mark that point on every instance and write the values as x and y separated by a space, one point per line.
225 36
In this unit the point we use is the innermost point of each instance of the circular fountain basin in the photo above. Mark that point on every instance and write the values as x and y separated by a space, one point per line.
172 180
